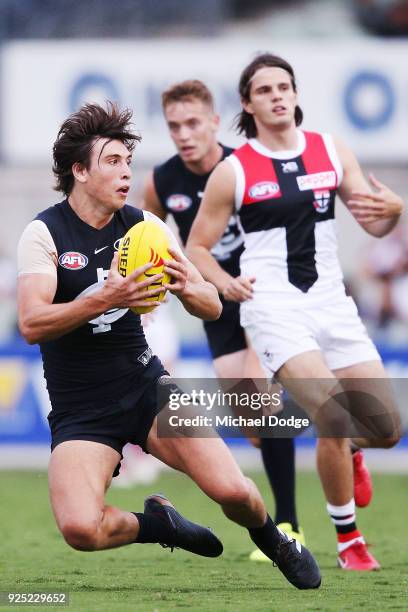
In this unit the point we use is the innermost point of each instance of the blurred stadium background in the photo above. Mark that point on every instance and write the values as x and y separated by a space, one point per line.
350 59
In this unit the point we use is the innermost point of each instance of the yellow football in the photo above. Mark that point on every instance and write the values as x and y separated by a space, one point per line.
145 242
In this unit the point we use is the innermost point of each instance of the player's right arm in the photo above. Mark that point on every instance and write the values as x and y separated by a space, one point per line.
38 317
151 200
215 210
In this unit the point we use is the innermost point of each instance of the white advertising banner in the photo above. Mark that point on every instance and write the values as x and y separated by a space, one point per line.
357 90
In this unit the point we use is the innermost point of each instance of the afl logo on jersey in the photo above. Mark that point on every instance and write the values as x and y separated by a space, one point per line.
116 244
262 190
178 202
71 260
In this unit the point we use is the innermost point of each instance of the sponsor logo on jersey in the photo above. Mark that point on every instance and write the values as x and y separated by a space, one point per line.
262 190
101 249
290 166
71 260
146 356
116 244
321 201
178 202
320 180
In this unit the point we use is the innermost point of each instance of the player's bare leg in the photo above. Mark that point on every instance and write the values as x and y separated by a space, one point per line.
333 454
241 364
80 472
209 462
278 455
385 419
379 415
334 457
79 475
237 365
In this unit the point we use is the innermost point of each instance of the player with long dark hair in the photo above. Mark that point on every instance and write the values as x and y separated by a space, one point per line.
283 184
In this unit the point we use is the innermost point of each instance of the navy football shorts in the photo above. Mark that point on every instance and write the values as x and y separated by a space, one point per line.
114 422
226 336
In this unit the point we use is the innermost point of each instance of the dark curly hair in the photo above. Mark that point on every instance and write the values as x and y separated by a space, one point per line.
77 135
244 122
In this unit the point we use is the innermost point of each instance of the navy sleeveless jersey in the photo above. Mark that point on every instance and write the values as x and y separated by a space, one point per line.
180 192
105 358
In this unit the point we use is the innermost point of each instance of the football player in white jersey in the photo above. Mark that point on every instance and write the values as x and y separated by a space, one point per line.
282 183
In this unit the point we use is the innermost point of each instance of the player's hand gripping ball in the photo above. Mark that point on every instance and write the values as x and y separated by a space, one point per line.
145 242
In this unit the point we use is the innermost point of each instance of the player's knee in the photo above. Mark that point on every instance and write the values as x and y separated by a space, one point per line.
391 441
388 431
333 423
334 444
235 493
81 535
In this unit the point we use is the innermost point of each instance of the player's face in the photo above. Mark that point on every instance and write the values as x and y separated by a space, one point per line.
108 177
272 98
193 127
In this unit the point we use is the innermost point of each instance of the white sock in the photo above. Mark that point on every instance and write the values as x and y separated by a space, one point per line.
345 516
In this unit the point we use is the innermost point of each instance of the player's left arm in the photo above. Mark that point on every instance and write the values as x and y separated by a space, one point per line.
377 209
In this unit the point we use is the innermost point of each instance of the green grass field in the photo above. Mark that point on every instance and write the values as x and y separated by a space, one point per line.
147 578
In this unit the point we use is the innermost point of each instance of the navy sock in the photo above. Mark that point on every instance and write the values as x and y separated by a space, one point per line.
267 537
278 456
152 529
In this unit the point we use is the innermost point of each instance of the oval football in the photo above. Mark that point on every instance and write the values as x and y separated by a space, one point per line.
145 242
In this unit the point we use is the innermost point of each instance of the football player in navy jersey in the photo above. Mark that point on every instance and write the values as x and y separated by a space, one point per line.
175 188
101 376
283 183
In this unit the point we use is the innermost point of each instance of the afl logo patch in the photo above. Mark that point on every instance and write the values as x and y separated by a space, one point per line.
117 244
262 190
71 260
178 202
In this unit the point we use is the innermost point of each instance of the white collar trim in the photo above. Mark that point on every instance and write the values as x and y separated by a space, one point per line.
260 148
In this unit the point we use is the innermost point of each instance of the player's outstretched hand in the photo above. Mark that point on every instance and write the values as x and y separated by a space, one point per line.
126 292
368 206
239 289
178 271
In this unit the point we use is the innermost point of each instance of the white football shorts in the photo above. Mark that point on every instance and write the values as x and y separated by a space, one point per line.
331 326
